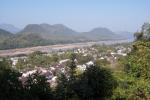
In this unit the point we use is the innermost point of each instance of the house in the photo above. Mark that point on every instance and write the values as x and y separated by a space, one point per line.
81 67
90 63
63 61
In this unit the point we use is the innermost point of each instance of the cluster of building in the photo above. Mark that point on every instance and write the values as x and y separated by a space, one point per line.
52 72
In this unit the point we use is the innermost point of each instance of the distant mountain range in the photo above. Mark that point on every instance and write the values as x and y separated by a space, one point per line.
101 34
45 34
48 29
9 27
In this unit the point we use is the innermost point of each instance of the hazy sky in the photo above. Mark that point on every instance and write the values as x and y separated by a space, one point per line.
81 15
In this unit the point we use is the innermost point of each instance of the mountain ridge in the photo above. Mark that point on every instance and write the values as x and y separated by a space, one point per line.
46 34
9 28
48 29
4 35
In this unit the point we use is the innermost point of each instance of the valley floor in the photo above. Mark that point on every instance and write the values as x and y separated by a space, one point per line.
53 48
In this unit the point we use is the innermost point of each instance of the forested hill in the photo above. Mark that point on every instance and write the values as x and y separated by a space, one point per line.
100 33
4 35
45 34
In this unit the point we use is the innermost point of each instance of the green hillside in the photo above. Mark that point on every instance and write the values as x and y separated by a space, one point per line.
4 35
45 34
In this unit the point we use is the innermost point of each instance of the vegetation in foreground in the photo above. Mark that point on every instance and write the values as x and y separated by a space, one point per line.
94 84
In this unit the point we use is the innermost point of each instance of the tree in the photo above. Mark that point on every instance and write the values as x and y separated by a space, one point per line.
134 81
102 62
38 59
65 87
138 61
84 59
72 67
21 64
10 87
37 88
144 34
130 88
95 83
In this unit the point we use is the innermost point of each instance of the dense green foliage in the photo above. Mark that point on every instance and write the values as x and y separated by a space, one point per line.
134 81
130 88
37 88
36 59
12 88
138 61
95 83
84 59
